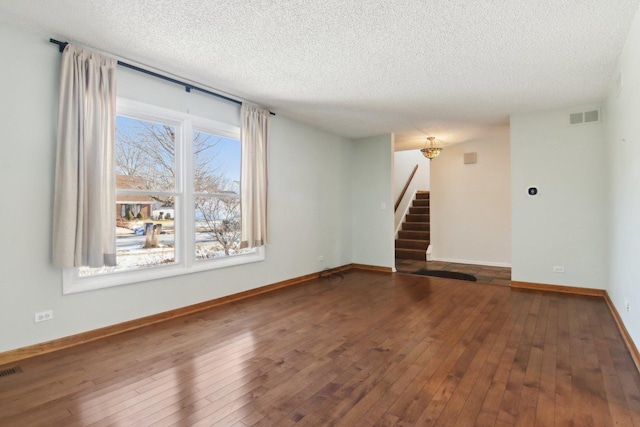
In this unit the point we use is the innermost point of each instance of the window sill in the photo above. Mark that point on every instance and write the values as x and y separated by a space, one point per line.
73 283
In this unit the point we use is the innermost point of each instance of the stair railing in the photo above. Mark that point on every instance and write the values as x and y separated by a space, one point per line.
404 190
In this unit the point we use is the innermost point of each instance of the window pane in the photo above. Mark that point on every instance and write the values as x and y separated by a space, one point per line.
216 163
145 235
145 154
217 227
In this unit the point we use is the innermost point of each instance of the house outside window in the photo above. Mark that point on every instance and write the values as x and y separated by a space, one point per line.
130 207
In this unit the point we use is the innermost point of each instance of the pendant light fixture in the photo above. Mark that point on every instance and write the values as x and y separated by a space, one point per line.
430 151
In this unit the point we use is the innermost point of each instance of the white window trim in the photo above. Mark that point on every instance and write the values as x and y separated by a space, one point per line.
185 244
72 282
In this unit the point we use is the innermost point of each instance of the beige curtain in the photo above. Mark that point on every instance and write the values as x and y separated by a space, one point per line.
84 198
253 193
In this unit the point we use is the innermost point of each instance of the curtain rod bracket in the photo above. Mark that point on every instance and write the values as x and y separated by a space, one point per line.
61 45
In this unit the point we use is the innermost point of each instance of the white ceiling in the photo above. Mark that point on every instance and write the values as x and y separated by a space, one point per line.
450 68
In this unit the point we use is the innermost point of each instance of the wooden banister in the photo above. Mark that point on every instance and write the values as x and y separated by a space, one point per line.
404 190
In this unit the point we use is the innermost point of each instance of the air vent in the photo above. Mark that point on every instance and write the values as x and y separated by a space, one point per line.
10 371
470 158
576 118
584 117
591 116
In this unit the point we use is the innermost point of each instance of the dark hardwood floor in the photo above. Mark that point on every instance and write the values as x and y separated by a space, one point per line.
368 349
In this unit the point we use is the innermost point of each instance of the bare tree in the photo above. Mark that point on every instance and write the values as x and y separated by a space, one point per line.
221 214
129 159
148 152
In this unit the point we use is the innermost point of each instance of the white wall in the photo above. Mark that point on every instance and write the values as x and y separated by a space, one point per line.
372 204
565 224
471 203
309 204
623 143
403 164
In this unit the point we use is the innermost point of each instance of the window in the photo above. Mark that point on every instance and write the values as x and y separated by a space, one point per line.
177 198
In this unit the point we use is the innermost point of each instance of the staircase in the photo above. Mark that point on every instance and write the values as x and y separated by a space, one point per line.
413 238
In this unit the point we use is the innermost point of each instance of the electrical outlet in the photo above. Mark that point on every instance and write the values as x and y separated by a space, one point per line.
558 269
321 258
44 316
626 305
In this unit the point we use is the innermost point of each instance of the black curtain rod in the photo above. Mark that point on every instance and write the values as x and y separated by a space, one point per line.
188 87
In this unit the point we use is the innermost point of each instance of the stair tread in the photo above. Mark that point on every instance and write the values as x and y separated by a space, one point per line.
414 234
417 254
415 226
416 241
411 244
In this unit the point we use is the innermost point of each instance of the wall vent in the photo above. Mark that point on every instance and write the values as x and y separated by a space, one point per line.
584 117
470 158
10 371
576 118
591 116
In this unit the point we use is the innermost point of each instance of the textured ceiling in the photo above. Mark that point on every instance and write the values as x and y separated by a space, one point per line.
451 68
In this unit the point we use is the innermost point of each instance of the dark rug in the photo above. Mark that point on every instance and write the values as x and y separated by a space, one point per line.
446 274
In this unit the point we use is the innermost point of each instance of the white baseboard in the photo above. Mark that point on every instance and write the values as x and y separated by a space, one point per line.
429 256
466 261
